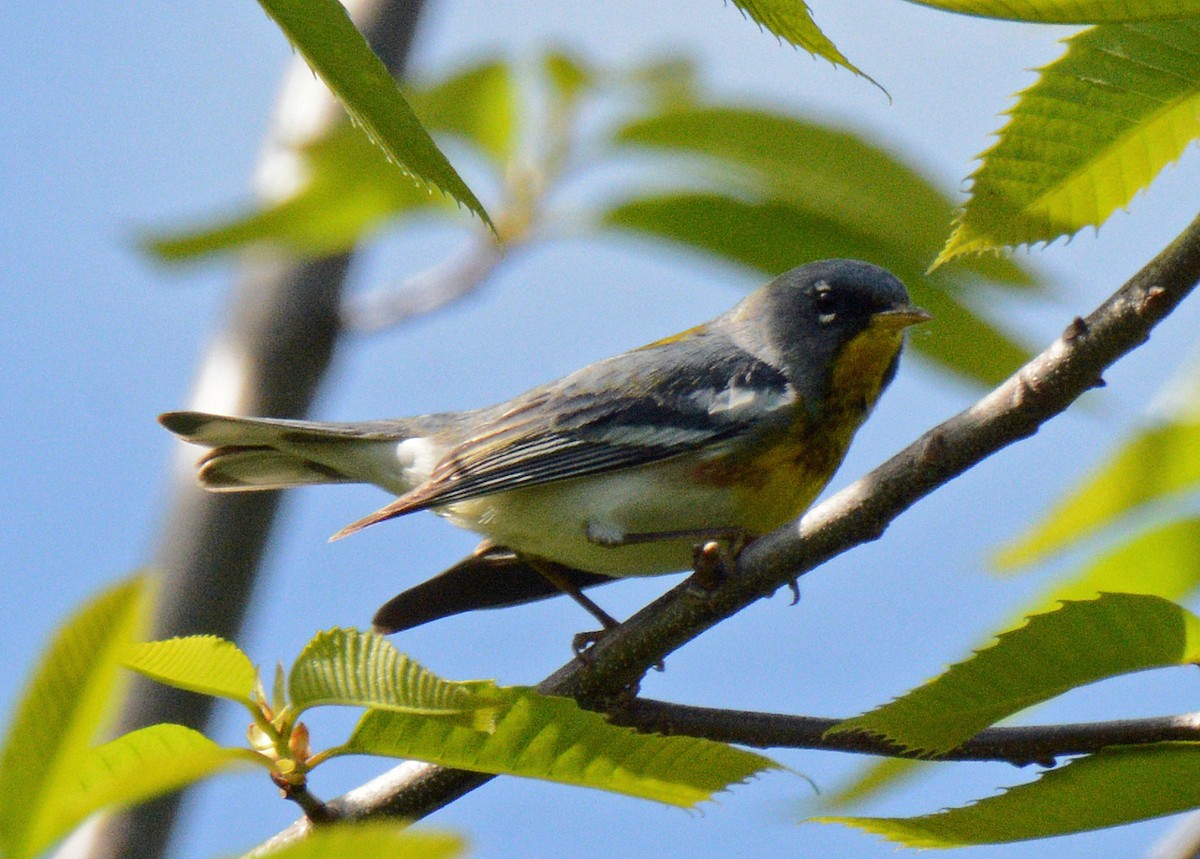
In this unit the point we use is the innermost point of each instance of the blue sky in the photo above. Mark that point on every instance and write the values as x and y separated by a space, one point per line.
115 117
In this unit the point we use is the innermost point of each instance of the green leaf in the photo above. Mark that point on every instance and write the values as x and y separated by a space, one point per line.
279 689
358 669
60 712
1096 128
1110 788
1163 561
1159 462
388 839
1080 643
140 765
791 21
198 663
1069 11
334 49
774 236
554 739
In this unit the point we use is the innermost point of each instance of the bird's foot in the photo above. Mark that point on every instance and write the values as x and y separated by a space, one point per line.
715 558
583 643
711 562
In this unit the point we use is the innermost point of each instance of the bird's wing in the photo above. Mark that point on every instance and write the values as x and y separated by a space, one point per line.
644 406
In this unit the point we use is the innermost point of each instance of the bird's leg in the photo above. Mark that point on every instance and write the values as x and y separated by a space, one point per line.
713 559
731 535
552 572
711 562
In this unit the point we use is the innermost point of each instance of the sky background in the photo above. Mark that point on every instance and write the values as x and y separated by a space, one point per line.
116 117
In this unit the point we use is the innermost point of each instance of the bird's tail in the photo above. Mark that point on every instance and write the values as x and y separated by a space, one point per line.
265 453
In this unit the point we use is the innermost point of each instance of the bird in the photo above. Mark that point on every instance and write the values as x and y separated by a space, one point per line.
623 468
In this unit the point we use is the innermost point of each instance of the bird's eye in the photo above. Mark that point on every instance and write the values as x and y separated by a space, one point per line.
825 303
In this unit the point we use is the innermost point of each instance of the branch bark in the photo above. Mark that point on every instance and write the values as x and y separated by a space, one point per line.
1182 842
269 359
1041 389
1020 746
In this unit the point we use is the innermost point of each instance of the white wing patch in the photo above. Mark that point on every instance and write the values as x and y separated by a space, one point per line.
734 402
417 457
735 397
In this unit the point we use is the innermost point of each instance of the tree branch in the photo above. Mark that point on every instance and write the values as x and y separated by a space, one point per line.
428 291
1041 389
1029 744
1182 842
269 359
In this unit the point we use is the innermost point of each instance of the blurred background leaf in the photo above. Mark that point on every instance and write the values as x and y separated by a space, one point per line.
351 189
759 188
393 840
1155 464
786 190
321 30
140 765
70 692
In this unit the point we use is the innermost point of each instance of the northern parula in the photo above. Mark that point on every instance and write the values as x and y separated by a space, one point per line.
619 469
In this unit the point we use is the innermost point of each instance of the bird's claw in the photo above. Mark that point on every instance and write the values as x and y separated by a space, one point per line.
583 642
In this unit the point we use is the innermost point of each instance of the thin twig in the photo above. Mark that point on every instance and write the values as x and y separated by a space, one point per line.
315 810
1031 744
426 292
1041 389
519 221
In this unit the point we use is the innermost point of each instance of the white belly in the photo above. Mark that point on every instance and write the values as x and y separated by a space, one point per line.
553 521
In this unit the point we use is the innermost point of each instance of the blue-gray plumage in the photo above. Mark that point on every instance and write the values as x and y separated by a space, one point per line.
734 425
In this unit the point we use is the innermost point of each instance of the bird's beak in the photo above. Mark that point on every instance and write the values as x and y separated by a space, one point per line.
901 317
